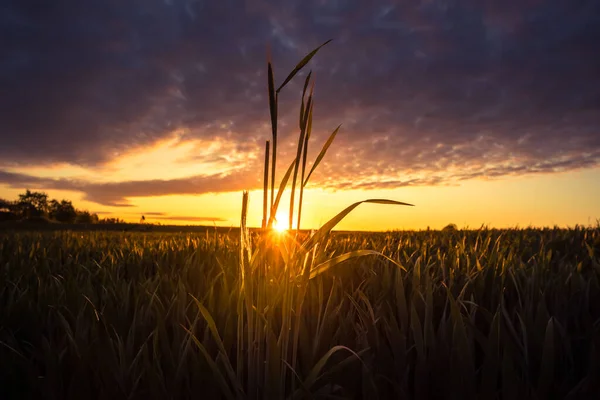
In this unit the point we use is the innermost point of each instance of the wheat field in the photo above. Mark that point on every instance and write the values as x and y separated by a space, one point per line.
471 314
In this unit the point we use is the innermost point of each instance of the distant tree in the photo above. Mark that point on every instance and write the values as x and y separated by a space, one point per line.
85 217
111 221
62 211
36 207
7 216
7 205
33 204
23 210
450 227
7 210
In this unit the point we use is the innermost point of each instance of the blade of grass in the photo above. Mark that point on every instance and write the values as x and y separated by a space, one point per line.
324 266
301 65
304 157
302 110
266 185
282 186
322 153
273 113
217 337
315 372
298 156
547 366
491 365
213 366
324 230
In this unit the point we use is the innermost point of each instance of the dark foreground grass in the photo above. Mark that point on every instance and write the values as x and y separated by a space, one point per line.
477 314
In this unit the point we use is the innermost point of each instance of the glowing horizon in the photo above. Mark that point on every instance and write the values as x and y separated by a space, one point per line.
538 201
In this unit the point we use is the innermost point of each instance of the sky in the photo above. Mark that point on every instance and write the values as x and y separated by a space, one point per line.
478 112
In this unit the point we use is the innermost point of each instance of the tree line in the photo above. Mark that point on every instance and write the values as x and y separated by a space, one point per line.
37 206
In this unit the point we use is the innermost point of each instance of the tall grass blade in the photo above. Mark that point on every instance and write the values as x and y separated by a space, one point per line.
491 364
322 153
273 113
244 265
301 65
302 108
326 228
417 331
546 376
266 186
213 366
217 337
315 371
282 186
304 158
298 157
324 266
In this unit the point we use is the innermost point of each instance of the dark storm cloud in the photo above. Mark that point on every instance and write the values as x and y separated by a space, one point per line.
84 80
457 89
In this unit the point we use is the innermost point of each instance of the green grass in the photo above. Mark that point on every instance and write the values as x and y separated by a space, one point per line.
477 314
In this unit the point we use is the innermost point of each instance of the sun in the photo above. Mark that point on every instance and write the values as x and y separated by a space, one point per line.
280 224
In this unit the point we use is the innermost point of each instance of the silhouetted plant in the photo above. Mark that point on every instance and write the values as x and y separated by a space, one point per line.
269 322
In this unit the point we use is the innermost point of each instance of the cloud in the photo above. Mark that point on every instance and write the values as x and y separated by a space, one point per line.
190 218
427 91
151 214
116 194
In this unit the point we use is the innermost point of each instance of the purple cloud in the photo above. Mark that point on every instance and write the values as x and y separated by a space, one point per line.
190 218
115 194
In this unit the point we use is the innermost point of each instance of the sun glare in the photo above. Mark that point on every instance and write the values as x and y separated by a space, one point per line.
280 224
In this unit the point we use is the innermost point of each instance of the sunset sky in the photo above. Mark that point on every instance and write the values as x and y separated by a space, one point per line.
478 112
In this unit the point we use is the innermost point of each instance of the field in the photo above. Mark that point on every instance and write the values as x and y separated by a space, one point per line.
487 314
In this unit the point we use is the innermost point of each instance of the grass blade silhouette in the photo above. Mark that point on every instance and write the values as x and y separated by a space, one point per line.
324 266
282 186
315 372
322 153
326 228
273 113
301 65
